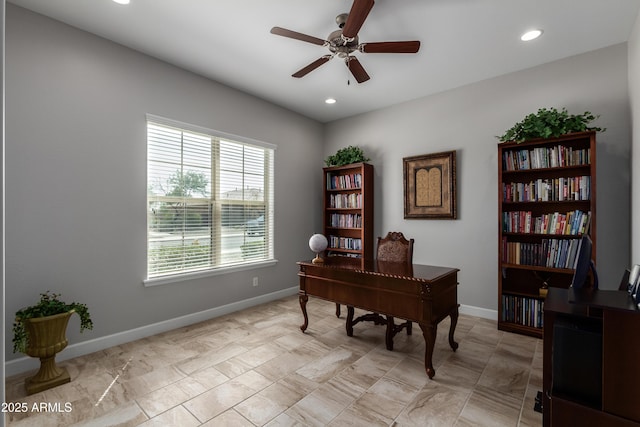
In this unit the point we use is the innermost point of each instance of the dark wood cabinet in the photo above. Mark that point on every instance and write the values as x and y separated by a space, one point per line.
590 359
348 210
546 201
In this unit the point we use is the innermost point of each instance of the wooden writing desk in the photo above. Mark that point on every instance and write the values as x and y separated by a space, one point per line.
424 294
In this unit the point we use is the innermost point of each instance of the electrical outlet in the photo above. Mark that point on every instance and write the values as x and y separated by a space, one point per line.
255 281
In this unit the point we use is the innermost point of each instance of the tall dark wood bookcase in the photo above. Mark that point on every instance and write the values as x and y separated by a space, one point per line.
546 201
348 210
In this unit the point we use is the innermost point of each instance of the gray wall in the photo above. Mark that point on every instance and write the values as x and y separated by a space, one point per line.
76 176
634 94
467 119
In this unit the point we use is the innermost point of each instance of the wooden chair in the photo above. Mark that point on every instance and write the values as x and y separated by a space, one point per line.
394 248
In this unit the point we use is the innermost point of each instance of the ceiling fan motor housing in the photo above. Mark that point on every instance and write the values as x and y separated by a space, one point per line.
338 45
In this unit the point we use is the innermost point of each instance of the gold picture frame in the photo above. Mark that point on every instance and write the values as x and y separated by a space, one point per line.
430 186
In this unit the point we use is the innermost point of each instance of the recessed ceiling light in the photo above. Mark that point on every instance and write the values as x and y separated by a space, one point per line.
122 1
330 101
531 35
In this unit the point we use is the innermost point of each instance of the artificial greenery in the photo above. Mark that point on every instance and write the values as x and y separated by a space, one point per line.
549 123
346 156
48 305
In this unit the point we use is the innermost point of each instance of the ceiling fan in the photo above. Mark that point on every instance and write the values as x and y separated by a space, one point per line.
344 42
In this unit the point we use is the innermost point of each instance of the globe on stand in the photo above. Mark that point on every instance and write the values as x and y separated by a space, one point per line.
318 243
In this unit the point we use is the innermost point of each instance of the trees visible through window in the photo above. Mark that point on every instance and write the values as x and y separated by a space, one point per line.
209 200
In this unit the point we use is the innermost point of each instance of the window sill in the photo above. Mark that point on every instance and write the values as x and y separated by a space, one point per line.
165 280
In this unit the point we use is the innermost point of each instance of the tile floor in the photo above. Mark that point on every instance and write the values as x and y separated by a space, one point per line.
255 368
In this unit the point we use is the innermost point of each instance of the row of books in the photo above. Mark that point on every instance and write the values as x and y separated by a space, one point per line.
338 242
349 201
343 254
553 253
346 220
572 223
339 182
523 311
545 157
548 189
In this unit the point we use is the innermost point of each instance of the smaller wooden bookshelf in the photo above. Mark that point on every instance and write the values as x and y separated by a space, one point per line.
348 210
546 202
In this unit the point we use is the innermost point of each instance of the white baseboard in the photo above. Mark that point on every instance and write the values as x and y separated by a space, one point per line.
25 364
484 313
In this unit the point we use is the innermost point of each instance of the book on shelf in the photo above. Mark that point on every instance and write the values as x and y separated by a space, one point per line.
572 223
545 157
548 190
346 220
551 253
526 311
345 201
343 254
344 181
340 242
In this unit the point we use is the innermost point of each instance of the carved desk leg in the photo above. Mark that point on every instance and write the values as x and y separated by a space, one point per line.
303 305
452 328
390 333
429 332
349 323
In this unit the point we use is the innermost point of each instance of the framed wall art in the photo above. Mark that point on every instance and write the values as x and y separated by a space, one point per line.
430 186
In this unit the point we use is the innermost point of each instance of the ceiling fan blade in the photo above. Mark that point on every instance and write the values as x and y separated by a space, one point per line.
298 36
356 69
390 47
359 11
309 68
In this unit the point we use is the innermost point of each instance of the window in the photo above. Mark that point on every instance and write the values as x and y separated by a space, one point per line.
209 200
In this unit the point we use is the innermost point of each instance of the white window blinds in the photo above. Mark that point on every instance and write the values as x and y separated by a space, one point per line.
209 200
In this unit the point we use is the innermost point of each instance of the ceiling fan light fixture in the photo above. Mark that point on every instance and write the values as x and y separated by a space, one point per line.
330 101
531 35
122 1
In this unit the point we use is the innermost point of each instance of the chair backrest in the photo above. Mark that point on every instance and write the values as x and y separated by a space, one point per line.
395 248
583 265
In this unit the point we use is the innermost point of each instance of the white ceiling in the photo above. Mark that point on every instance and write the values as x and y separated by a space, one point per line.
463 41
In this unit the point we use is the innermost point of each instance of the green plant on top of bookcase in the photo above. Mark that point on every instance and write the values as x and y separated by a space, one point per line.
549 123
346 156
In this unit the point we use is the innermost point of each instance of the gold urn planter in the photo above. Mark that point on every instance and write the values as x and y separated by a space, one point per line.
40 331
47 337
